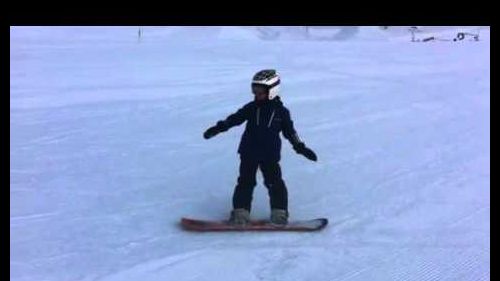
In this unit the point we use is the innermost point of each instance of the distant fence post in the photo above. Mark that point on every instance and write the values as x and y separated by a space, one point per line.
413 29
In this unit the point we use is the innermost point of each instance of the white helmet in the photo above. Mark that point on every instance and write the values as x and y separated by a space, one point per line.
269 78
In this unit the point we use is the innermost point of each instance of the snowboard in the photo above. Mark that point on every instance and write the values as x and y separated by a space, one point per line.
255 225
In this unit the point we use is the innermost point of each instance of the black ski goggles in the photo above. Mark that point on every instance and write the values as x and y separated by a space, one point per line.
258 89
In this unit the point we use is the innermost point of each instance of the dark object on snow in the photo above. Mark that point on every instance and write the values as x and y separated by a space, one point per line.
428 39
461 36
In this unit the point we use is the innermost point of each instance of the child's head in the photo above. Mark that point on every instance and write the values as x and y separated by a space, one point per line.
261 92
265 84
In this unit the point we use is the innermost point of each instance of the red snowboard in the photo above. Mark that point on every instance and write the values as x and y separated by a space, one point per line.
258 225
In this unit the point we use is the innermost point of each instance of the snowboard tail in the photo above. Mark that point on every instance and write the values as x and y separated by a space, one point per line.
255 225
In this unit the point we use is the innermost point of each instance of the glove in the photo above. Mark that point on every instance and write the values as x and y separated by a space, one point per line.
211 132
301 148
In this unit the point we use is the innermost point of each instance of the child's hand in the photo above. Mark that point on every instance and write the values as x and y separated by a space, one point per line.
301 148
309 154
211 132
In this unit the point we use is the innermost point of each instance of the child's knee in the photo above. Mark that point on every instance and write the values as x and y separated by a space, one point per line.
247 182
276 183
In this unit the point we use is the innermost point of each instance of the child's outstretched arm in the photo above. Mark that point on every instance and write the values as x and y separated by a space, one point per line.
232 120
292 136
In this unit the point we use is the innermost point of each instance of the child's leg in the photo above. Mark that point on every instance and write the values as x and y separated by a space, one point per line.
278 193
243 193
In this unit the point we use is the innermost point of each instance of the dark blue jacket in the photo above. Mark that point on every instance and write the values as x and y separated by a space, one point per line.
265 120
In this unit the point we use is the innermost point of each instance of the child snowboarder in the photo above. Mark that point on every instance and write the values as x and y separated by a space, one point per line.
260 147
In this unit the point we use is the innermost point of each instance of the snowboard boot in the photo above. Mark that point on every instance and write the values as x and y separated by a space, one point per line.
239 216
279 216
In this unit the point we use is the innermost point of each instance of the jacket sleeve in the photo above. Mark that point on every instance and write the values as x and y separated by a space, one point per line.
288 130
234 119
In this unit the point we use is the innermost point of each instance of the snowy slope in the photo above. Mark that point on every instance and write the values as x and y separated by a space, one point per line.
107 154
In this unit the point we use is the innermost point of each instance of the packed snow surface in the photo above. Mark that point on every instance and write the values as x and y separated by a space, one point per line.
107 154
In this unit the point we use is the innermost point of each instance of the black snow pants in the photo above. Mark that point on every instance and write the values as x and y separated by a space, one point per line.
271 171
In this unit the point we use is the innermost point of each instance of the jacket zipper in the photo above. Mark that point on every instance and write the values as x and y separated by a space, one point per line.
270 120
258 115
